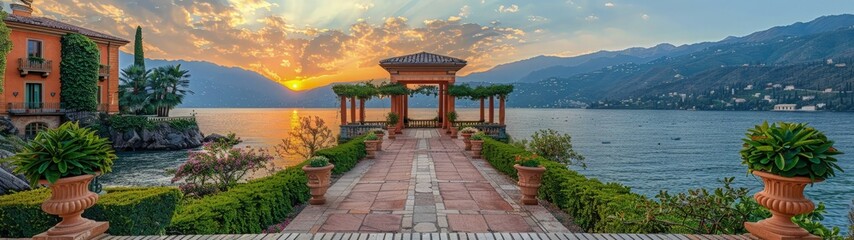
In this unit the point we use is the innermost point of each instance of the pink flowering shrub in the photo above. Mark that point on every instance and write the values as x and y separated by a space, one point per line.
216 168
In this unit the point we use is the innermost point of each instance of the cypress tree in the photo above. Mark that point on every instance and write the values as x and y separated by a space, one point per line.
138 55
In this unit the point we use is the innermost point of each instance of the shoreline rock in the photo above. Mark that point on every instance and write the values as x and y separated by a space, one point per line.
160 137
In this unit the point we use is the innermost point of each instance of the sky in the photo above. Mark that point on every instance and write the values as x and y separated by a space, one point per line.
304 44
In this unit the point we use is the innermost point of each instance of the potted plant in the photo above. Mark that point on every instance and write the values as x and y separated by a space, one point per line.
466 132
452 117
391 120
35 60
66 159
477 144
530 174
371 142
318 171
788 157
380 134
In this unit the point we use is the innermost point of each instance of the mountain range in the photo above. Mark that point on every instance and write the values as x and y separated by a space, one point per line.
571 81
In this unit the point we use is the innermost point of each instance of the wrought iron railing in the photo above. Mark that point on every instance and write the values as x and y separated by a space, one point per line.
104 71
27 65
467 123
496 131
35 108
350 131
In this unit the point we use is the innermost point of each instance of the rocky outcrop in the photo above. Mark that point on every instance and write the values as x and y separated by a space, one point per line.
10 182
160 137
7 127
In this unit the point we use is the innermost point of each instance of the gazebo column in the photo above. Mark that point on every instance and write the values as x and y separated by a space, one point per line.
441 105
400 113
491 109
482 118
451 108
361 110
353 109
447 100
501 109
343 110
405 107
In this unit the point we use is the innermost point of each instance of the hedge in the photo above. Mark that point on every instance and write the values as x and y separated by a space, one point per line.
79 72
345 155
251 207
595 206
130 211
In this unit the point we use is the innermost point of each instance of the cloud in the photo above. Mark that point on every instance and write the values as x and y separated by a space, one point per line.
220 32
364 6
464 11
609 4
537 19
591 18
509 9
645 17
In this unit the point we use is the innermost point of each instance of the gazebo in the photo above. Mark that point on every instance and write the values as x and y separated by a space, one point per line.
432 74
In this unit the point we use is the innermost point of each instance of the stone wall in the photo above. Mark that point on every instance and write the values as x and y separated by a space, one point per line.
21 122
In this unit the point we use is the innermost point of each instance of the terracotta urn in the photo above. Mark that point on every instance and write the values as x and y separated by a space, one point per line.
476 146
380 138
391 133
454 133
70 196
466 137
371 148
530 179
318 182
784 196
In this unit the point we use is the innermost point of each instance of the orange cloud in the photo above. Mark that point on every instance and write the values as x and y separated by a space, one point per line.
230 33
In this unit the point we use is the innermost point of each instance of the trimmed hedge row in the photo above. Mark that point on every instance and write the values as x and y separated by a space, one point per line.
130 211
345 155
595 206
251 207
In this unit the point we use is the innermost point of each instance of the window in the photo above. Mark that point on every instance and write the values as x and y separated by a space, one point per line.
34 48
32 129
99 94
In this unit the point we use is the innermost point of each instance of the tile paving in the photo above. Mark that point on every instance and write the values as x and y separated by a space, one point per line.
423 182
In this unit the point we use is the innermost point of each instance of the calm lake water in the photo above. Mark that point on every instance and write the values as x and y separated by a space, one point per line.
641 153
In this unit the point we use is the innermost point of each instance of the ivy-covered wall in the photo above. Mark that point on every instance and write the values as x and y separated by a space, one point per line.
79 73
5 47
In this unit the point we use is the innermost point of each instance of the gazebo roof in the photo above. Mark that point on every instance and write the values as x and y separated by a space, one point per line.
423 58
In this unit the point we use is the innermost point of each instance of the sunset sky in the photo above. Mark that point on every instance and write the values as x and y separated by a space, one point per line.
308 43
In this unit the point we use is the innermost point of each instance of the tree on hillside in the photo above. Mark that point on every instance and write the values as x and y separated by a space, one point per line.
79 68
5 47
168 85
134 94
138 54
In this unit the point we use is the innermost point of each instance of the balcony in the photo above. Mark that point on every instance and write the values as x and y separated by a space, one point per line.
103 72
28 65
22 108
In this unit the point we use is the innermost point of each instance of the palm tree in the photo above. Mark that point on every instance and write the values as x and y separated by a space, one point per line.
133 89
169 85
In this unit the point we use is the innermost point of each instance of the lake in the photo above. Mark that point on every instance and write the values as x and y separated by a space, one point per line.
641 153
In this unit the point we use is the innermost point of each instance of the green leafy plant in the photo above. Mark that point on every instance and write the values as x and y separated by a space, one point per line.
555 146
469 130
377 131
133 90
478 136
183 124
789 150
129 122
528 160
318 161
36 59
371 137
451 116
66 151
5 47
392 118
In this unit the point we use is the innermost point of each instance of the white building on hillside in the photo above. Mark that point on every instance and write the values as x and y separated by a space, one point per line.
785 107
789 88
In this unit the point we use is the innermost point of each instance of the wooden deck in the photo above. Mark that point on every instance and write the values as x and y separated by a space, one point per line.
435 236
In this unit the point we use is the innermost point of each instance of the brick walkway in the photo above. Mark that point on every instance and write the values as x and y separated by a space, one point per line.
424 182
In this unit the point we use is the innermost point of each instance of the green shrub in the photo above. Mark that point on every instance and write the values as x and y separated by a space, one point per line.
183 124
789 150
345 155
124 123
79 68
595 206
130 211
245 208
251 207
319 161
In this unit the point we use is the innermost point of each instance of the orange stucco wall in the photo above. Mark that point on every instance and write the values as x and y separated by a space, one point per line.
51 46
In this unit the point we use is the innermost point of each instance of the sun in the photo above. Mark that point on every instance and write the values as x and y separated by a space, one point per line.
295 85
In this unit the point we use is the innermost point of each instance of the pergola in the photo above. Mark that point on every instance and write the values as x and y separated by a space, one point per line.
421 69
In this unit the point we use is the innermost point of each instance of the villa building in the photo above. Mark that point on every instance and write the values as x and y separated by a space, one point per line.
786 107
31 86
